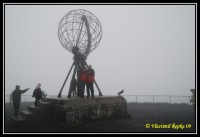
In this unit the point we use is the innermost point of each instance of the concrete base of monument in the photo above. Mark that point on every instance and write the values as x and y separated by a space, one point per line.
72 111
75 110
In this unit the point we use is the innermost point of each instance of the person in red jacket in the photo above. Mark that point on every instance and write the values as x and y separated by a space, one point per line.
90 80
82 77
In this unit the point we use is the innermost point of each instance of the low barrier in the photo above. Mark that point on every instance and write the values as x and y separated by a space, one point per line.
129 98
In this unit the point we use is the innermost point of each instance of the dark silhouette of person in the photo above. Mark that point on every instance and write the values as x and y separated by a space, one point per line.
72 89
37 93
16 94
193 98
90 80
78 80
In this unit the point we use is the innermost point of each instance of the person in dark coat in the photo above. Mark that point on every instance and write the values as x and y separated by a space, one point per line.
72 89
16 94
82 78
193 98
37 93
90 80
78 81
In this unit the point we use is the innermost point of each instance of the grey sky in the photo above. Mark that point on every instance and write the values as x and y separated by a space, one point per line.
145 49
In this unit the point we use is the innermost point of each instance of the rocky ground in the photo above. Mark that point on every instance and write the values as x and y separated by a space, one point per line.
144 118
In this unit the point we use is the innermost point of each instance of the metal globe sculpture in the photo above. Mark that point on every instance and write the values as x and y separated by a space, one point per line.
80 32
80 28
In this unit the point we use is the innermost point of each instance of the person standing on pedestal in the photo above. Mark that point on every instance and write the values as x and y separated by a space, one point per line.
82 80
90 80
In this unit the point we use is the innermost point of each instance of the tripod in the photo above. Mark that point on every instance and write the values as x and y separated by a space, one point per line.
79 60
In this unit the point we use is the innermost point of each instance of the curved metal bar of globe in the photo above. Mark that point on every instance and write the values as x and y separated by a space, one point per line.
59 95
87 51
100 93
79 34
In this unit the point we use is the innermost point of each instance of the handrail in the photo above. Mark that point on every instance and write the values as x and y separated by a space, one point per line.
129 98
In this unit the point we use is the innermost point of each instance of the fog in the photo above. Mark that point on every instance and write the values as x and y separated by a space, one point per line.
145 49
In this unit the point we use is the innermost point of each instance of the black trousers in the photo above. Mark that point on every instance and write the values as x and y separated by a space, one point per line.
36 102
16 104
72 90
90 88
81 88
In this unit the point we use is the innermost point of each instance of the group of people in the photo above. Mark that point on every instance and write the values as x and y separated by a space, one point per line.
16 97
85 77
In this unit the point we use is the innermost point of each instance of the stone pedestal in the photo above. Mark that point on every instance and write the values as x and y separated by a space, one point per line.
76 110
71 111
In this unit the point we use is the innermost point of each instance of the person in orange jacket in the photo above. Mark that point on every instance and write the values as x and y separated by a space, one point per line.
90 80
82 77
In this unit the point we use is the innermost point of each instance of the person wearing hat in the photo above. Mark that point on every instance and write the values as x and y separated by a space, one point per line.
16 94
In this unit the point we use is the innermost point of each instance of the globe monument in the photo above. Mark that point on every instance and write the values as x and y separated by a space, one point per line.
79 32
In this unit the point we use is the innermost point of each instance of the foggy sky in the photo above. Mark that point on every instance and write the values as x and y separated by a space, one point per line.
145 49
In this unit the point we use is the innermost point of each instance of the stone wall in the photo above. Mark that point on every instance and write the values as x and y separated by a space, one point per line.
76 110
